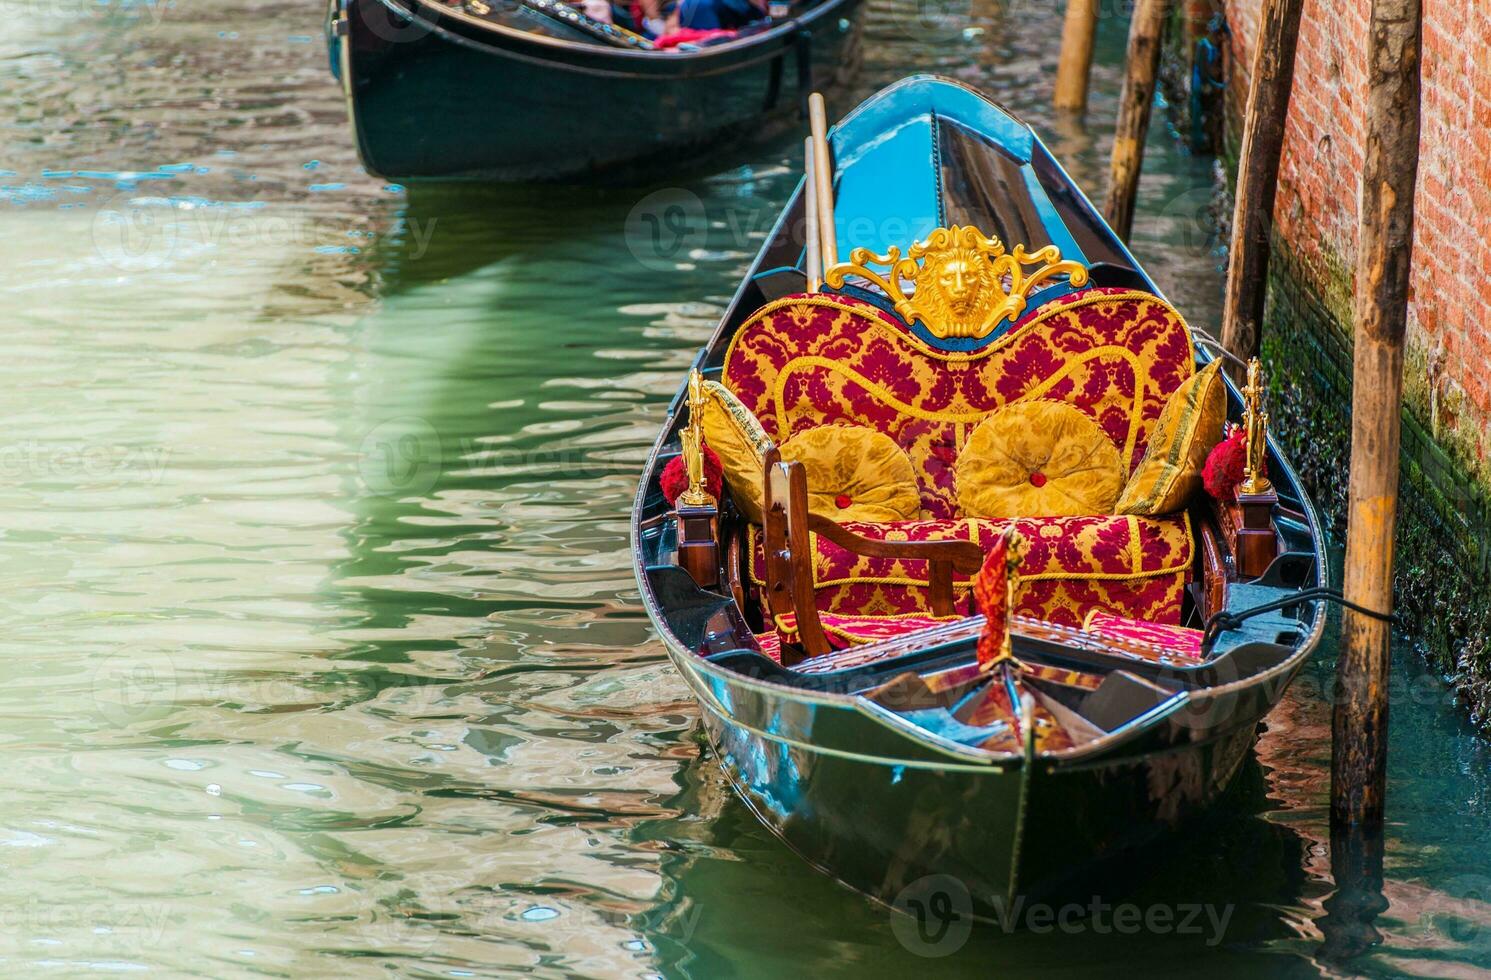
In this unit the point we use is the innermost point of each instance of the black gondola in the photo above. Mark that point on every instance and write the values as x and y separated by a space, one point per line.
506 92
874 718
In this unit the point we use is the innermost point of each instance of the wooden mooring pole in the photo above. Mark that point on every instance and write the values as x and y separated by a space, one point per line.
1359 724
1258 175
1135 106
1074 69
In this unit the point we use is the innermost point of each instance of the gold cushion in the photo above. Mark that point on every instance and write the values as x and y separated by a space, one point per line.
855 474
737 437
1038 458
1184 434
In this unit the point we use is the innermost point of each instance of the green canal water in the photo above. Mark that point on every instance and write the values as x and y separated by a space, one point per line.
322 651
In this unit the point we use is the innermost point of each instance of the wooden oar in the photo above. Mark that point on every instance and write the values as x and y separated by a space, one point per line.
813 262
823 172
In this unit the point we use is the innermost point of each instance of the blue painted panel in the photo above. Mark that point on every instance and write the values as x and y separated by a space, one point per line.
921 95
887 193
884 153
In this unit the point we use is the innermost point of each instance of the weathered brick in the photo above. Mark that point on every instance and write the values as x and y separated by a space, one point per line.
1444 572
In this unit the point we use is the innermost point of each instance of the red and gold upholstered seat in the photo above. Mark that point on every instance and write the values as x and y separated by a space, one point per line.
810 360
1114 354
847 631
1174 641
1074 565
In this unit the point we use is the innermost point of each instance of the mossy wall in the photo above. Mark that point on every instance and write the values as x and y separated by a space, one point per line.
1443 563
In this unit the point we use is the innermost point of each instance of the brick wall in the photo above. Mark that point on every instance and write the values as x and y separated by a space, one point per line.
1450 311
1443 569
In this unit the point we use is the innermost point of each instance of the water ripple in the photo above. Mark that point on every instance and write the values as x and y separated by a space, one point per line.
325 651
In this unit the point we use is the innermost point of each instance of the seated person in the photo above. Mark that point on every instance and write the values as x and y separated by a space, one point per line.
730 15
688 21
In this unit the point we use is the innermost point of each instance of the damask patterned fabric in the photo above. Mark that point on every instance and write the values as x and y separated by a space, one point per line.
1187 431
1177 641
810 360
844 632
771 645
1136 566
1038 457
1114 355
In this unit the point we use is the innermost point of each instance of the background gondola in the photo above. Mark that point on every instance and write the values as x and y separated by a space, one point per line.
437 93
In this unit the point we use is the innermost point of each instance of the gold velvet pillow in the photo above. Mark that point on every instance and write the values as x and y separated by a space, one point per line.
733 432
855 474
1184 434
1038 458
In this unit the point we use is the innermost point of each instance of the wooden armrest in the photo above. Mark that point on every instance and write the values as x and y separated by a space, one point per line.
943 557
790 586
964 556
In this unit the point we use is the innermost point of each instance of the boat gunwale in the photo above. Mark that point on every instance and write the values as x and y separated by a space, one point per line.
1089 753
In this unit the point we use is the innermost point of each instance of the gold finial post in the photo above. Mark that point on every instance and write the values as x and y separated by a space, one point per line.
692 438
1255 420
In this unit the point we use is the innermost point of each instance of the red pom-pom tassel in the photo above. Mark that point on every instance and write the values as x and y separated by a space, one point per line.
1227 465
674 479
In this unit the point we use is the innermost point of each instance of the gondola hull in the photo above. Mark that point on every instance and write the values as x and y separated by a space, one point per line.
848 777
434 96
1001 838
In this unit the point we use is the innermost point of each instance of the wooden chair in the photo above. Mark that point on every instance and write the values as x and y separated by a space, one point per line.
787 530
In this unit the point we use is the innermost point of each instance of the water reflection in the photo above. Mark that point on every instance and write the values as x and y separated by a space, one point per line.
325 654
1349 925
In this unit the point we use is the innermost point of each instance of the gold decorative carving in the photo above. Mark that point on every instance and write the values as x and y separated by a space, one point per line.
963 284
692 438
1255 421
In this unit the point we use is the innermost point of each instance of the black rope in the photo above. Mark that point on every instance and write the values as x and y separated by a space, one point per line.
1221 622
